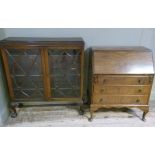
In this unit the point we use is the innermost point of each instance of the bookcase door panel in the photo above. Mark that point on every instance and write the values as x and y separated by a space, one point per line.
64 69
26 73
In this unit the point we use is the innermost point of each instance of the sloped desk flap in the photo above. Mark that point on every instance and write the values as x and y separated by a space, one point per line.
122 60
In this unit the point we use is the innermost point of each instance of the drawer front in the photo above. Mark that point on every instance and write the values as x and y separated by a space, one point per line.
116 99
122 80
124 90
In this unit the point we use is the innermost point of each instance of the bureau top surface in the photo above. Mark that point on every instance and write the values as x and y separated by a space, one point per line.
41 41
122 60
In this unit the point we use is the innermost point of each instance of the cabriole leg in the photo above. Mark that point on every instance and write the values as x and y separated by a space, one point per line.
144 114
145 111
13 112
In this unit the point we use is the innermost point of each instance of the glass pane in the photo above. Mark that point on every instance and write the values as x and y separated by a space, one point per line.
65 73
26 73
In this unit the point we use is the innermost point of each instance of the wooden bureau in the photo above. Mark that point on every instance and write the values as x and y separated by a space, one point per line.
121 77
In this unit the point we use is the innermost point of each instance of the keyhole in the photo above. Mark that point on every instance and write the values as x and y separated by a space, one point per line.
139 81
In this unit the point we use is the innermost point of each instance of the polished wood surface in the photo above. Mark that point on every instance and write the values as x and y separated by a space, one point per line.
45 75
121 77
121 61
121 99
30 41
124 90
123 80
121 48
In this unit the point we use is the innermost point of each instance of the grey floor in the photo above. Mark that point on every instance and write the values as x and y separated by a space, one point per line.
68 117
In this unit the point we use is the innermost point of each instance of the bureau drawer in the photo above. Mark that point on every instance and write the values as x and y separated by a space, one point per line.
120 99
122 80
124 90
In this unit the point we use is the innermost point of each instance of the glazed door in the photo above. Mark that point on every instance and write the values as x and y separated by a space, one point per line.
65 73
24 73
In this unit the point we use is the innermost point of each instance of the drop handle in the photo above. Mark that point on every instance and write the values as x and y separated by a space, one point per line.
137 100
139 90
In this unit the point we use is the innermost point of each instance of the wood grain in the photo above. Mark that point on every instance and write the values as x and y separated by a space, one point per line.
123 62
123 79
126 90
121 99
30 41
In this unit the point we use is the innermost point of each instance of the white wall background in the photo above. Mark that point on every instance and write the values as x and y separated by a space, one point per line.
2 33
91 37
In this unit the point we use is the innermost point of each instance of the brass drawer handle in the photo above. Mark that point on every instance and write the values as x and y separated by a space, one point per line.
137 100
139 90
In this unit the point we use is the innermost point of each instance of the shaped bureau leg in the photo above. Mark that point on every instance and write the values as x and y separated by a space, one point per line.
145 111
144 114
